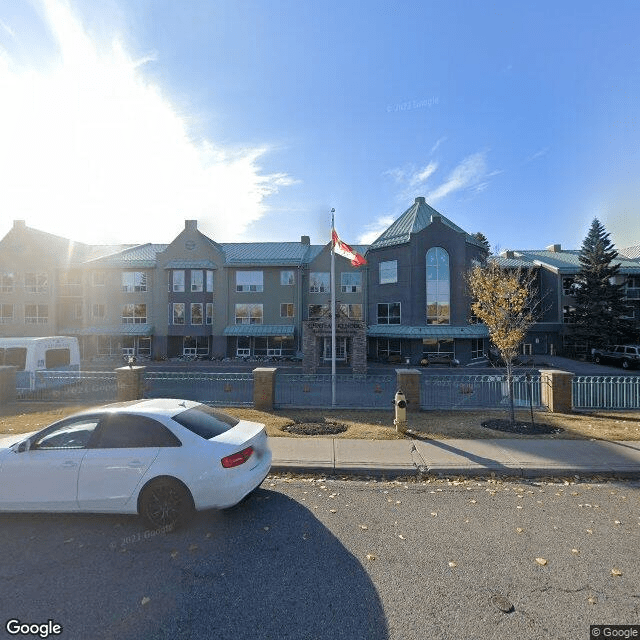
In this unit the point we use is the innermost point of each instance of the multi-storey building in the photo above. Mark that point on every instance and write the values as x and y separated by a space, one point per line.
195 296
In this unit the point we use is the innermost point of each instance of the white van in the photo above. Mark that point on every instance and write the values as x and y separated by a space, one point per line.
35 358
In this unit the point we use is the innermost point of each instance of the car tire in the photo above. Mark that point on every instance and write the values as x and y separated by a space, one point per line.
165 504
597 359
625 364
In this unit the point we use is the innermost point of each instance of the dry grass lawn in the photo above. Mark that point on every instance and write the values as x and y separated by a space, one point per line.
372 425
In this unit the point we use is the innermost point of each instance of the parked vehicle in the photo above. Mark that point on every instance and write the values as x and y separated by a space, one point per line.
447 359
36 358
625 355
161 458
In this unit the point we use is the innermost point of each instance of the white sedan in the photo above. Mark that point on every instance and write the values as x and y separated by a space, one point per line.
161 458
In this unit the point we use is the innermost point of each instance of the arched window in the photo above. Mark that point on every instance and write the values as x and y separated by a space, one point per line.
438 287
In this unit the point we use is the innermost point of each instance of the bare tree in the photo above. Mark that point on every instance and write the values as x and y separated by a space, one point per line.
504 300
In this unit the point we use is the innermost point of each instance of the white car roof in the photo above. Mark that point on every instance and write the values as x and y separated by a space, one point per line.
168 407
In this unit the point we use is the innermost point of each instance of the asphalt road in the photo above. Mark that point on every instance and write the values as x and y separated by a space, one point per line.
328 559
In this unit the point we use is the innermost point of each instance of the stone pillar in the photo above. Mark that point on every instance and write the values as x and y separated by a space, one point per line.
556 388
408 381
264 388
130 383
7 385
359 352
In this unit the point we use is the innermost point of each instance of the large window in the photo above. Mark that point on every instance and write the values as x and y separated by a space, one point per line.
388 272
209 275
36 313
209 311
318 310
36 282
249 314
435 347
249 281
477 348
177 313
388 313
6 313
196 313
388 347
134 314
7 282
319 282
197 281
353 311
177 280
438 287
286 310
97 310
134 281
287 278
351 282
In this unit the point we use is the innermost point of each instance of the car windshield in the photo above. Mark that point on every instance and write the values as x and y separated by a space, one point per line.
205 421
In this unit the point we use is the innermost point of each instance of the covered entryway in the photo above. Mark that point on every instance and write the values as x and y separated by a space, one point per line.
351 343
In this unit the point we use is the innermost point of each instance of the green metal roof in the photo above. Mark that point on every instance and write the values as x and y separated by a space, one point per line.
143 255
427 331
265 253
416 218
259 330
112 330
562 261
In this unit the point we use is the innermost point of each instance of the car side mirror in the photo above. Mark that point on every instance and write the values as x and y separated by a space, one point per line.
25 445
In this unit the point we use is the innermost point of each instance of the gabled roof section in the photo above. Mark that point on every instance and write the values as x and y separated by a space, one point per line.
142 255
554 258
20 236
633 253
265 253
416 218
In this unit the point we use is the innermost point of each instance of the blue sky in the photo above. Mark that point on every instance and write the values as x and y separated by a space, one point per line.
121 119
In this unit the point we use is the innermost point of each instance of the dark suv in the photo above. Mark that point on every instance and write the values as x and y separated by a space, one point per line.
626 355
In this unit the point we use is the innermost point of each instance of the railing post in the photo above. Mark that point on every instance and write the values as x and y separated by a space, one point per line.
7 384
408 381
264 388
130 383
557 390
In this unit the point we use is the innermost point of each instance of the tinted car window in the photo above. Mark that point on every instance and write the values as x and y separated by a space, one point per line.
205 421
125 431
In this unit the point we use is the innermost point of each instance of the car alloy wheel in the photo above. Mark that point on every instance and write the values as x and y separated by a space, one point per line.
165 504
625 364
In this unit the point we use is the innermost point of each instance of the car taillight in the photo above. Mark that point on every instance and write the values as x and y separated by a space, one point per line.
236 459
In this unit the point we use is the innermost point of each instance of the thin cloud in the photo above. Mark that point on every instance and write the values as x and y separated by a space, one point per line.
438 142
374 229
538 154
470 173
94 150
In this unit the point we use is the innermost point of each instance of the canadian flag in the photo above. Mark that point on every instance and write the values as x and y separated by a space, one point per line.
344 250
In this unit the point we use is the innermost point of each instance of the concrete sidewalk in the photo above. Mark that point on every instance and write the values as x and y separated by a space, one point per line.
457 457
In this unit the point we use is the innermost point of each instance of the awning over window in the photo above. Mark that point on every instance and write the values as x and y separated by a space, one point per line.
440 331
112 330
259 330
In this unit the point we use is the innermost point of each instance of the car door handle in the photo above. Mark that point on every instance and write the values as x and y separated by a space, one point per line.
136 463
69 464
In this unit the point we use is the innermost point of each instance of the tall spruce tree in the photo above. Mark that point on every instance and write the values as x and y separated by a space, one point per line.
599 301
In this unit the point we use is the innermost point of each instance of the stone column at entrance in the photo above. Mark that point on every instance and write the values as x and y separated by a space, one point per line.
557 390
408 381
130 382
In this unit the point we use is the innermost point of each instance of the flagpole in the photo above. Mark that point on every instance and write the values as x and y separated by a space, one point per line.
333 314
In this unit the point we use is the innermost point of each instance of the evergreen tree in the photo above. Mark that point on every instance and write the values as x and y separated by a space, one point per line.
599 301
482 239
